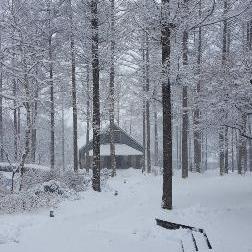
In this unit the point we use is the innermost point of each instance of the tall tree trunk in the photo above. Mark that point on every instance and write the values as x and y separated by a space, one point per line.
224 62
241 157
15 110
185 111
88 119
29 121
28 135
156 154
245 156
206 152
118 110
74 98
52 112
242 147
249 35
96 97
226 150
197 131
112 90
221 150
250 148
190 163
15 121
232 150
237 148
34 131
227 52
1 105
167 108
131 118
63 128
249 48
180 144
144 110
148 158
177 146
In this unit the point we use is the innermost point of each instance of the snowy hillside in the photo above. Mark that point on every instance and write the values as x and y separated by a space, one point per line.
126 222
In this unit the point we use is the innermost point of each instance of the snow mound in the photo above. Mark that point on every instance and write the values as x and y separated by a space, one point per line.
8 233
45 195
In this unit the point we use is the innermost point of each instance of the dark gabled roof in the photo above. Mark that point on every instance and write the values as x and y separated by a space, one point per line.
121 137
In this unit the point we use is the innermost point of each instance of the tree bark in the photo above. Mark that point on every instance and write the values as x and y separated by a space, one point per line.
1 105
232 150
52 120
88 119
206 152
96 97
250 149
63 128
144 110
224 61
15 122
197 131
242 162
148 158
156 154
29 121
237 147
15 110
249 35
226 150
185 112
74 98
26 152
167 108
221 150
112 90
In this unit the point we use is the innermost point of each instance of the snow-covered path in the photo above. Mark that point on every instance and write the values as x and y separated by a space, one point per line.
126 222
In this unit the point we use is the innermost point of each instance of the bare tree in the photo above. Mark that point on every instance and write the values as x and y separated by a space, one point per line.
74 97
148 104
88 116
167 108
185 120
96 96
197 131
1 102
112 89
144 106
224 62
156 153
51 83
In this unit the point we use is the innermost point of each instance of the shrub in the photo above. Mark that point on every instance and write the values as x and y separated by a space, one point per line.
76 181
48 194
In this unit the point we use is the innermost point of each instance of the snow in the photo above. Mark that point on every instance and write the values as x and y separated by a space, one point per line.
28 166
120 150
126 222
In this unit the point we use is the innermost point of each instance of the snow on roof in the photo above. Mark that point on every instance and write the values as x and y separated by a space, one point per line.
120 150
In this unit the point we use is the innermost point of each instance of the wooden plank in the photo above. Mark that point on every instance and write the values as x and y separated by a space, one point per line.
174 226
194 242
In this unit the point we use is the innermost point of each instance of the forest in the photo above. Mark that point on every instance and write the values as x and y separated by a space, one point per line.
104 101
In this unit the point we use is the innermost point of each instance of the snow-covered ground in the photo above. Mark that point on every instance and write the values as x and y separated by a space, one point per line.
104 222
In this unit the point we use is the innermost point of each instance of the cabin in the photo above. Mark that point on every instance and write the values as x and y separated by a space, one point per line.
128 152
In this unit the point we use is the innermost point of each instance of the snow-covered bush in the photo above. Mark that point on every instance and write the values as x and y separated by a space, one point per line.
82 181
33 177
47 194
78 182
